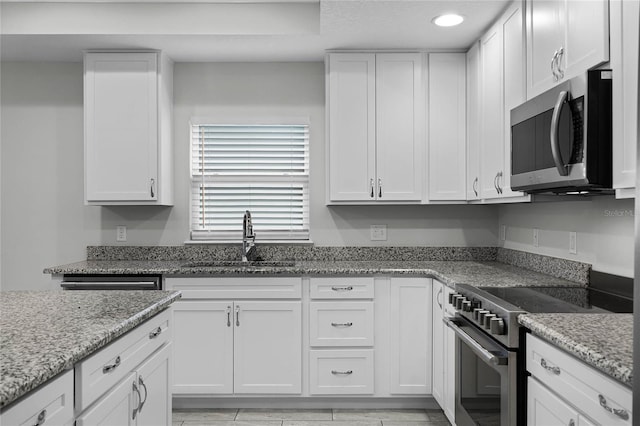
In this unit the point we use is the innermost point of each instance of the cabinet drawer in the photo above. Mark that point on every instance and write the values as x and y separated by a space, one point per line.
341 288
51 403
341 372
341 323
579 384
99 372
237 288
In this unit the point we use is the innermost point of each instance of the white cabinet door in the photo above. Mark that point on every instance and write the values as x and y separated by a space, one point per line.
116 407
203 349
268 347
447 120
473 121
545 35
544 408
514 84
351 114
410 342
121 130
154 382
399 135
587 36
437 384
625 36
492 119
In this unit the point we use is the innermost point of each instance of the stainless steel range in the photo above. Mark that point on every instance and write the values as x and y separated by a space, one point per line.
490 368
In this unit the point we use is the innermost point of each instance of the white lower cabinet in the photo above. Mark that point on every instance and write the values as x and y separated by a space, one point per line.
116 407
243 346
443 384
340 372
52 404
563 390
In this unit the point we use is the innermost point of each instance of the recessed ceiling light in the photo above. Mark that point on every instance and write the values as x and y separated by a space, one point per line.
448 20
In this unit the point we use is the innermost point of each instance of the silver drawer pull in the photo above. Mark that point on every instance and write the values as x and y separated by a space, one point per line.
349 288
554 370
623 414
342 324
137 409
42 417
108 368
341 373
155 333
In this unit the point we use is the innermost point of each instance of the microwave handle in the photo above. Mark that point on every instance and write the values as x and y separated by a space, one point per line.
563 169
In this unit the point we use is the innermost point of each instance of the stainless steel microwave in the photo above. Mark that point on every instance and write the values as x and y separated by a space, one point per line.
561 139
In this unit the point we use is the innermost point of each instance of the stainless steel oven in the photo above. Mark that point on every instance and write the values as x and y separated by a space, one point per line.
111 282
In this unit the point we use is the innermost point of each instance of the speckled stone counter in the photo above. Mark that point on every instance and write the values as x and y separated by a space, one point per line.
43 333
604 341
481 274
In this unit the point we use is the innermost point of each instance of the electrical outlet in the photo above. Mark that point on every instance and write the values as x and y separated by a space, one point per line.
573 242
535 237
121 233
503 232
378 232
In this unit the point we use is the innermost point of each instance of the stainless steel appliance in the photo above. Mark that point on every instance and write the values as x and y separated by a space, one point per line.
561 139
490 370
111 282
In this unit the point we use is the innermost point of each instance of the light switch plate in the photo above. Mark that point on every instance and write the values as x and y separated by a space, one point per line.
378 232
121 233
535 237
573 243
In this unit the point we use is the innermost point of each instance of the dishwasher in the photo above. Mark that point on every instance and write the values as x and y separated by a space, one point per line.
111 282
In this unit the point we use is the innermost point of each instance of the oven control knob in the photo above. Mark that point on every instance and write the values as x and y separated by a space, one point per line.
481 315
496 326
487 320
452 298
476 313
466 306
475 304
459 301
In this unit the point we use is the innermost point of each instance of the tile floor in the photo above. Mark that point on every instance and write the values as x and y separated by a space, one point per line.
319 417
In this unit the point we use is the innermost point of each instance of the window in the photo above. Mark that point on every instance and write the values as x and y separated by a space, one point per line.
263 168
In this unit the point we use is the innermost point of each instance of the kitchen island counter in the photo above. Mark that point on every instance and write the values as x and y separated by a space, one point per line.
604 341
43 333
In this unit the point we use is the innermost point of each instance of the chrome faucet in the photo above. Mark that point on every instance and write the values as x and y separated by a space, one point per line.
248 238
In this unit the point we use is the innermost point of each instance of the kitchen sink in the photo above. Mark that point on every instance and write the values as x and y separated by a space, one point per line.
239 264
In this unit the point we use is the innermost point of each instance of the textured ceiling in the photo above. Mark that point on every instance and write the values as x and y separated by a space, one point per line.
333 24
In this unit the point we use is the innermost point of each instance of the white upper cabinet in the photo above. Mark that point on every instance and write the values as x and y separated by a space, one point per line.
127 114
564 39
625 36
473 122
375 127
447 126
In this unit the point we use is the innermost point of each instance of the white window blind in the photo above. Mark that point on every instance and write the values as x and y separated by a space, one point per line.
260 168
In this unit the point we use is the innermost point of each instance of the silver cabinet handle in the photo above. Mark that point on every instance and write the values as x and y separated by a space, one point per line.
379 187
42 417
341 324
348 288
559 63
146 393
554 369
341 373
153 188
623 414
438 298
110 367
237 315
499 186
475 186
229 316
563 169
155 333
495 183
553 66
137 409
371 185
572 422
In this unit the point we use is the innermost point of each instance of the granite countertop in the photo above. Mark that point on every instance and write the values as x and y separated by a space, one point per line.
604 341
477 273
43 333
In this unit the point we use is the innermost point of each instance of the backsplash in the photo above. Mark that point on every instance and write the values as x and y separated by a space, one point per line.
561 268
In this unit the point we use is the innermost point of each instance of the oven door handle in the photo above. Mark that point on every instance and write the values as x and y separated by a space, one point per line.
475 346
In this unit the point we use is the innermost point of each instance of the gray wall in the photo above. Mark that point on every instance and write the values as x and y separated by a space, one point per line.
44 219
